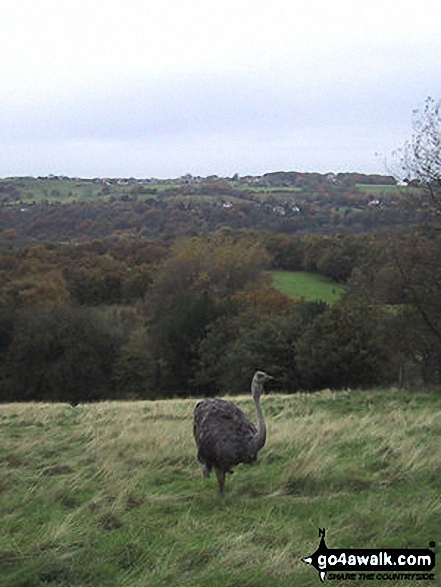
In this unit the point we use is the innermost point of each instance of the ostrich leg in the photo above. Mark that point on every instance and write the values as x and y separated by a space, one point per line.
220 479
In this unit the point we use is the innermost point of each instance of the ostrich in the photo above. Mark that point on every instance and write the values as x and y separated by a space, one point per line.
224 435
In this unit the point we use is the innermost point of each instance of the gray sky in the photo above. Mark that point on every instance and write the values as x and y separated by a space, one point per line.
160 88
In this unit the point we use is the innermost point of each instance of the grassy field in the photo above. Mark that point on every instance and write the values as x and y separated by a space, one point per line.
60 191
391 190
385 189
67 191
111 494
310 286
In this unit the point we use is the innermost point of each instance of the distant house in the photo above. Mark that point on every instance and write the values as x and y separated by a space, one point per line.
251 179
331 177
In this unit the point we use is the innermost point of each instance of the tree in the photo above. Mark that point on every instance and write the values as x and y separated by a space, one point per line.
7 319
221 264
134 373
419 160
62 354
337 260
420 272
175 333
342 348
254 338
236 346
402 272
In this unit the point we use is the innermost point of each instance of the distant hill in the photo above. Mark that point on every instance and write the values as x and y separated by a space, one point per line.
63 209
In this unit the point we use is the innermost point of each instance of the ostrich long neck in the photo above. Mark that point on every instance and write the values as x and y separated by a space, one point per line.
260 437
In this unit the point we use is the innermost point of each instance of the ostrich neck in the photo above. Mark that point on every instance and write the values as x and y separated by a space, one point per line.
260 438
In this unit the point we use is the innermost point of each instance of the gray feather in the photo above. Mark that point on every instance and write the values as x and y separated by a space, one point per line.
224 436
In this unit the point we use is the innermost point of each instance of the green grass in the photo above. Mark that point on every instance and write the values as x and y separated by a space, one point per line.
55 190
66 191
396 191
111 494
309 286
382 188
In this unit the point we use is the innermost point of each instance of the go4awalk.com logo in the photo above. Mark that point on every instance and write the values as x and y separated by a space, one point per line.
407 564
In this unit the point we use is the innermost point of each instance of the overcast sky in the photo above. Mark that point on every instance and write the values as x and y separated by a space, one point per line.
160 88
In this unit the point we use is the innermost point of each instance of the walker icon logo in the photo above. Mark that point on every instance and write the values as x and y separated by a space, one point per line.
372 563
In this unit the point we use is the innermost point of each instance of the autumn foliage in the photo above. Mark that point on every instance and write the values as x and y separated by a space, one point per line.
149 318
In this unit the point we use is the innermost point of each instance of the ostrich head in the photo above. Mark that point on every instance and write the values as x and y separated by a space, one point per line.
259 379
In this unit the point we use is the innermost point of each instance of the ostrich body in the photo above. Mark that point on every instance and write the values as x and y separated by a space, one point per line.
224 435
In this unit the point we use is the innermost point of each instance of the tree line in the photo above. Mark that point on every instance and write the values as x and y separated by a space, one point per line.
134 318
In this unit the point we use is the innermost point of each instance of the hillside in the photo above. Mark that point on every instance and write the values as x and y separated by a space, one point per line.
111 494
62 209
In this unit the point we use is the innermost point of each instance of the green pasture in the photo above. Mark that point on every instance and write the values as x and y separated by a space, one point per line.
111 494
396 191
374 188
58 190
308 286
69 190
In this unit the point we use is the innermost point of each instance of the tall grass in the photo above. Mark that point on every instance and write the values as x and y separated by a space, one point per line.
111 494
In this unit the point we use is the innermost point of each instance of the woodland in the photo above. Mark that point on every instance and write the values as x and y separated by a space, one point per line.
59 209
149 318
134 289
